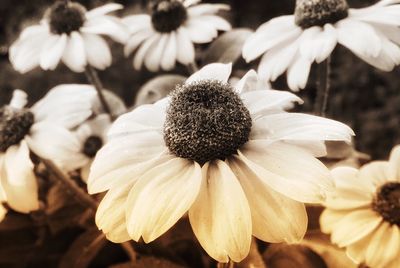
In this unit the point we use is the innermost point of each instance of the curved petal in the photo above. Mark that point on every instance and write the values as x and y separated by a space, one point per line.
161 197
153 60
97 51
106 25
170 53
330 218
135 40
203 9
102 10
18 179
220 217
298 72
275 217
185 52
394 163
52 51
74 54
136 23
144 50
213 71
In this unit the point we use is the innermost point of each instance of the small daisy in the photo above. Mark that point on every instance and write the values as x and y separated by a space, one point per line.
292 43
363 214
168 34
230 157
40 129
70 33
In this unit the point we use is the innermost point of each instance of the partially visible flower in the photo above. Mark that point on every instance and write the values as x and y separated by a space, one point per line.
229 156
3 210
40 129
168 34
292 43
69 33
363 213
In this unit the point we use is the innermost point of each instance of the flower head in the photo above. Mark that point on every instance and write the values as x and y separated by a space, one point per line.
167 35
230 156
70 33
363 213
292 43
40 129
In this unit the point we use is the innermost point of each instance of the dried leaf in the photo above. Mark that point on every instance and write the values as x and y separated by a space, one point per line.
158 88
83 249
228 47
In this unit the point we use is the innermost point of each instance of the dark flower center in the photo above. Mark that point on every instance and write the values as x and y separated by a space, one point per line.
168 15
387 202
92 145
206 120
66 17
14 125
310 13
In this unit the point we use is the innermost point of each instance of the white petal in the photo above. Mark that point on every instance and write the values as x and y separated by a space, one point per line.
19 99
106 25
136 23
213 71
52 51
185 51
170 53
102 10
220 217
394 163
298 73
154 56
67 105
297 126
161 197
25 52
144 50
135 40
275 217
374 174
359 37
355 226
388 15
18 179
289 170
200 32
330 218
270 34
74 54
97 51
203 9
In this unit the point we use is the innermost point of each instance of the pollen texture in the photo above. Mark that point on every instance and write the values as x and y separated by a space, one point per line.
387 202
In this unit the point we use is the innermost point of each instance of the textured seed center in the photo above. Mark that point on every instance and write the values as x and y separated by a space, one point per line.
387 202
168 15
14 125
310 13
66 17
92 145
206 120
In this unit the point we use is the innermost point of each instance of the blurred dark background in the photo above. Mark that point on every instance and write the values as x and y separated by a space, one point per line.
363 97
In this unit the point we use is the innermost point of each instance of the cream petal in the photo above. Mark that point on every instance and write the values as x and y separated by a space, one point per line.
220 217
298 73
374 174
275 218
52 51
249 82
18 179
219 23
355 226
269 35
185 51
387 15
356 251
213 71
394 163
289 170
384 245
67 105
330 218
97 51
170 53
74 54
24 54
3 212
102 10
125 159
297 126
161 197
359 37
136 23
144 50
135 40
203 9
106 25
153 60
199 31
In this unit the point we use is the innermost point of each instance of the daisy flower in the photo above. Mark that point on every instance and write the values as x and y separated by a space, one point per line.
363 213
292 43
170 32
230 157
40 129
70 33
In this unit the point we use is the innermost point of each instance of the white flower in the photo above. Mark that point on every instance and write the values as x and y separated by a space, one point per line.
69 33
292 43
231 157
363 214
168 34
40 129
